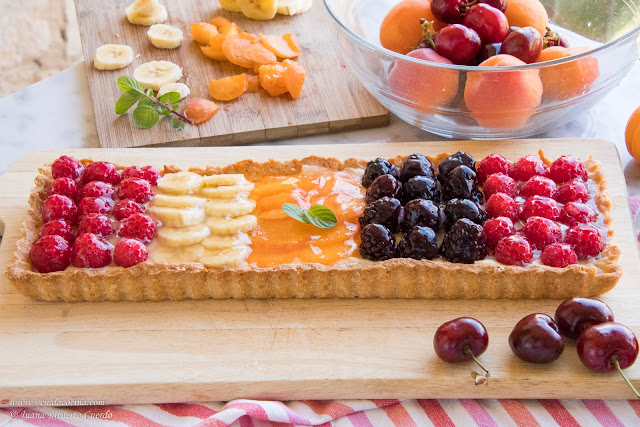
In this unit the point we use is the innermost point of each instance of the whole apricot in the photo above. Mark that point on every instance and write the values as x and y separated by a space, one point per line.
423 86
570 79
527 13
632 135
502 99
401 29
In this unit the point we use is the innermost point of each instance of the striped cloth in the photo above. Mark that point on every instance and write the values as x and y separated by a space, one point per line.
358 413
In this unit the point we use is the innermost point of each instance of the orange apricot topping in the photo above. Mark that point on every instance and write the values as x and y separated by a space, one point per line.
228 88
225 26
203 31
272 79
527 13
294 77
199 110
253 83
235 49
279 46
573 78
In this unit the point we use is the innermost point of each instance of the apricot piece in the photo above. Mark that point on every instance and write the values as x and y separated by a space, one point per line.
401 29
235 48
570 79
279 46
202 32
292 41
294 76
213 53
253 83
228 88
527 13
260 55
225 26
272 79
502 99
199 110
632 135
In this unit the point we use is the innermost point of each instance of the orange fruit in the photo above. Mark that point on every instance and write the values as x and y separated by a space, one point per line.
228 88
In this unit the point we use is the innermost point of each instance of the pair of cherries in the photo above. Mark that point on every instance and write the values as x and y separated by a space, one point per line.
602 345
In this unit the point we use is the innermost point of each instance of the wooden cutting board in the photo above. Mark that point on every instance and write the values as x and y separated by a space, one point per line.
286 349
333 99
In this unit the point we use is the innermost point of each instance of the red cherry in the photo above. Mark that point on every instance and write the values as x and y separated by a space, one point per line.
59 207
129 252
501 5
536 339
524 43
458 43
91 251
50 253
68 167
449 11
461 340
490 23
575 315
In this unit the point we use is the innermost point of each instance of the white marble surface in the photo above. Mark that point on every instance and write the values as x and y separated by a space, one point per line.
57 113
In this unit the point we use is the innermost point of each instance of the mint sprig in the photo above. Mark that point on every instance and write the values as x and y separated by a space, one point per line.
150 107
318 215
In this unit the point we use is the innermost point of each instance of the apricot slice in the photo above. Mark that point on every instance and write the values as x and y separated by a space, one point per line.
502 99
225 26
565 81
401 30
294 77
279 46
253 83
527 13
260 55
203 31
199 110
292 41
213 53
235 49
272 79
228 88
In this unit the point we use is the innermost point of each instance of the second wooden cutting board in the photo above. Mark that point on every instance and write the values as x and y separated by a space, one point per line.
333 99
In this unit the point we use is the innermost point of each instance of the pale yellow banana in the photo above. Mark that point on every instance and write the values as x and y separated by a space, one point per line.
187 236
165 36
146 12
177 217
261 10
231 226
180 183
112 57
155 74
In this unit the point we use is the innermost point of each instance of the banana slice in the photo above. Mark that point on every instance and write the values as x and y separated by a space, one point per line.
224 179
165 36
293 7
230 5
177 217
231 226
112 57
226 191
228 258
225 242
229 208
177 237
180 88
180 183
146 12
261 10
160 252
155 74
178 201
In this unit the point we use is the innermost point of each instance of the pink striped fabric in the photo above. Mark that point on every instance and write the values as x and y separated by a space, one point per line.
357 413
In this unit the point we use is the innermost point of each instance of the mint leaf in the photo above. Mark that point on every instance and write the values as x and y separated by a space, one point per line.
295 212
176 123
145 102
126 101
169 98
163 111
322 216
127 84
149 92
145 117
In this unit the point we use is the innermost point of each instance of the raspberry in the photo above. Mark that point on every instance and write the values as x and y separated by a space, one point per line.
50 253
527 167
496 229
135 189
377 243
575 213
542 232
574 191
501 204
493 163
376 168
465 242
101 171
500 183
540 206
129 252
91 251
585 239
68 167
125 208
419 243
514 250
65 187
58 227
59 207
385 211
101 205
558 255
383 186
151 174
567 168
97 224
137 226
538 186
416 165
97 189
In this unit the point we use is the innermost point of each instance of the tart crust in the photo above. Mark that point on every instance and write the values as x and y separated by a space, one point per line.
354 278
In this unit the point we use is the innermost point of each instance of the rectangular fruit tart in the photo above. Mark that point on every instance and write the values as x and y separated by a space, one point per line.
445 226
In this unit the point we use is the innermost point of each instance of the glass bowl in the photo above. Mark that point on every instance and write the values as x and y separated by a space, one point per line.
468 102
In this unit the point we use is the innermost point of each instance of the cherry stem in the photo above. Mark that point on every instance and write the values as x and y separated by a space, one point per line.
467 350
428 31
615 361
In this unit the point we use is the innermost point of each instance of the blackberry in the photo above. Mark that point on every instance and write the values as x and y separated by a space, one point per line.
416 165
384 186
461 183
464 243
377 243
420 187
419 243
456 209
421 212
386 211
376 168
455 160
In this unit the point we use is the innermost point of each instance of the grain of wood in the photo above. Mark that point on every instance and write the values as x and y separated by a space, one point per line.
286 349
333 100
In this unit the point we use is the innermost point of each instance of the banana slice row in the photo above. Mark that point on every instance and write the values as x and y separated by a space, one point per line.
263 10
